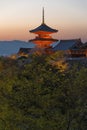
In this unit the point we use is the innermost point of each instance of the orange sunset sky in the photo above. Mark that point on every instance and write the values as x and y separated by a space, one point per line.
17 17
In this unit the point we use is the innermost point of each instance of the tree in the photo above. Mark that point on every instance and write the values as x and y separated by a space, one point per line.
38 96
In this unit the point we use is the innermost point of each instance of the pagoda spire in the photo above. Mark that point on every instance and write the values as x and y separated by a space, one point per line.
43 21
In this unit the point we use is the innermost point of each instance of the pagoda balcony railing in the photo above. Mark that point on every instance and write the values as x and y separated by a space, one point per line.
80 51
44 37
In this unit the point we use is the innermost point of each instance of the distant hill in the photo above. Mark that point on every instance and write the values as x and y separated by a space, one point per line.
12 47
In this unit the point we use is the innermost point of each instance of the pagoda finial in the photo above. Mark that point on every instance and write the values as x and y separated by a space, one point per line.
43 16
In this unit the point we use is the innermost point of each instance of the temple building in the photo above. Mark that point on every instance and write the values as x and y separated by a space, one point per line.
43 41
43 32
78 51
73 48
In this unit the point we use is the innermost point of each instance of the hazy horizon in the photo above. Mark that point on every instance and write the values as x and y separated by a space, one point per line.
18 17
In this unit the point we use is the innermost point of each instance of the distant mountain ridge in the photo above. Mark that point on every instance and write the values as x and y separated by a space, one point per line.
12 47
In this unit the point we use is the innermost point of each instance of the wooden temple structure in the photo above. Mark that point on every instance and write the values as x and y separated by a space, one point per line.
44 41
79 51
43 32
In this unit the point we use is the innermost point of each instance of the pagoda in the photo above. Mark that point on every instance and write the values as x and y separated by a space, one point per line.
43 38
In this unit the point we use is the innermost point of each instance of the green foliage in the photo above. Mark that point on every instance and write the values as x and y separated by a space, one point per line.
37 96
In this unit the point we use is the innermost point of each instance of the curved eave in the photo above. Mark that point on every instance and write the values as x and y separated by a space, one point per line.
43 27
43 39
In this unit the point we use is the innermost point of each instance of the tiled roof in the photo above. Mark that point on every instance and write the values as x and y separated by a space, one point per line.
43 39
43 27
66 44
24 50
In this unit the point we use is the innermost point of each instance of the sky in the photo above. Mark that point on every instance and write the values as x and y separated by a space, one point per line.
17 17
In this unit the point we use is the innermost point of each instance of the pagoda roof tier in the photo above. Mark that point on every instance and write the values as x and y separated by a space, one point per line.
45 28
43 39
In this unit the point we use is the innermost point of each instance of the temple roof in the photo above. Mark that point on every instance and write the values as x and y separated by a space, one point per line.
43 27
67 44
24 50
43 39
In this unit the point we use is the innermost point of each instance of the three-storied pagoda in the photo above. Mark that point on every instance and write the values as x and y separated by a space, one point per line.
43 38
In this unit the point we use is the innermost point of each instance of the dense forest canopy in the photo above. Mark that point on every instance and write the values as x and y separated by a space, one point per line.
42 93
